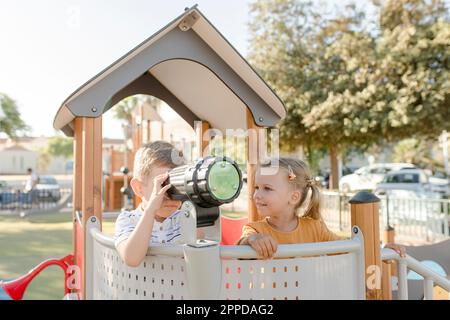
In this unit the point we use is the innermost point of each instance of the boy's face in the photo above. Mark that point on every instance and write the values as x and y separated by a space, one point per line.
168 206
273 195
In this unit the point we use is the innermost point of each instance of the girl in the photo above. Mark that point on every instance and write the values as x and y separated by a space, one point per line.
278 198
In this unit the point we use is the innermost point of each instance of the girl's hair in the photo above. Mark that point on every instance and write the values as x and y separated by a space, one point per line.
299 176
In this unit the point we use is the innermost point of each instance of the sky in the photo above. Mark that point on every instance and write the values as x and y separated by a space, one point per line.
51 47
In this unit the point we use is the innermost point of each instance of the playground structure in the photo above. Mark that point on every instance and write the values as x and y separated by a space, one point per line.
189 65
136 133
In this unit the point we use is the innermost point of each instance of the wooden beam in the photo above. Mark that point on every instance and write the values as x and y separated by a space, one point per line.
91 181
386 286
364 208
201 127
77 237
98 172
252 161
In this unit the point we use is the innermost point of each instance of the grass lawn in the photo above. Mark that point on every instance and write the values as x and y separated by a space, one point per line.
24 243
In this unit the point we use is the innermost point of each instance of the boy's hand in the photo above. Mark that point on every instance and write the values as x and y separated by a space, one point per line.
158 192
401 250
264 245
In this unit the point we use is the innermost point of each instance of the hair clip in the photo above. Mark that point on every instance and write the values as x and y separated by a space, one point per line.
310 181
291 174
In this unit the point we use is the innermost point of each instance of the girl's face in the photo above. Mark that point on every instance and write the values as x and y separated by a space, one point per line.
274 196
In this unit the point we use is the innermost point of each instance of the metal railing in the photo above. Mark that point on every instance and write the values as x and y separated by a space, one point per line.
13 201
403 264
417 219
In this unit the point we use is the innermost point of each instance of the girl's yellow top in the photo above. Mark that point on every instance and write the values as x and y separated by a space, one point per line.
308 230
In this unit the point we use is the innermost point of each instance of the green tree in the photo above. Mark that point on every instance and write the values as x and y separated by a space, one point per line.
348 86
60 146
413 70
56 147
10 122
420 152
312 63
124 109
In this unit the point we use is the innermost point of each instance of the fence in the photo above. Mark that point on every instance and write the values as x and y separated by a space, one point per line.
430 277
415 219
14 201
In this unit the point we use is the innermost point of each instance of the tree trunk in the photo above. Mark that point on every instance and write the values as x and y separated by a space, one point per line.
334 174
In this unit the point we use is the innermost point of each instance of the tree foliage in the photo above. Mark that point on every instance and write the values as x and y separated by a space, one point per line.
347 85
60 146
10 122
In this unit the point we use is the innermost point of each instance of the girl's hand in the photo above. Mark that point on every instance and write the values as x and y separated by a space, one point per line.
264 245
158 192
401 250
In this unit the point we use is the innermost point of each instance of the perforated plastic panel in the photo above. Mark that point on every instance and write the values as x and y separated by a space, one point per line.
222 273
158 277
323 277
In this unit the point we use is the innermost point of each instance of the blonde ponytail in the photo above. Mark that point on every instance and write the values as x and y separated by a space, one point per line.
313 209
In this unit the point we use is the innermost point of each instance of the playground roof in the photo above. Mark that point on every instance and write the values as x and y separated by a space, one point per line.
189 65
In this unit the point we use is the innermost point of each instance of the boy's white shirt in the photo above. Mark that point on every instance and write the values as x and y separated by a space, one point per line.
168 231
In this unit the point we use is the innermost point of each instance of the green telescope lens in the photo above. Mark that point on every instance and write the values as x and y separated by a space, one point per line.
223 180
212 181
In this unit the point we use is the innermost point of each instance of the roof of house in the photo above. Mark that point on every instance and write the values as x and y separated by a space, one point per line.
15 148
189 65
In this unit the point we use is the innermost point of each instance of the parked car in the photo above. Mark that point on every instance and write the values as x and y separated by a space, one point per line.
367 177
48 189
441 185
414 180
3 184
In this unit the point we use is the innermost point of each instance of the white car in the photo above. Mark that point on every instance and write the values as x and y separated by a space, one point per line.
441 185
415 180
48 189
367 177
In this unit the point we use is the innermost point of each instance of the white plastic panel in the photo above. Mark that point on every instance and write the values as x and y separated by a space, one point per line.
316 275
158 277
323 277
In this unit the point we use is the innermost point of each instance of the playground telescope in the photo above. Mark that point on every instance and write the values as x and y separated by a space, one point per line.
210 182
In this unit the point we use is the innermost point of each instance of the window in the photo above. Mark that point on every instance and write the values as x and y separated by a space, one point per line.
379 170
362 170
410 178
403 178
47 180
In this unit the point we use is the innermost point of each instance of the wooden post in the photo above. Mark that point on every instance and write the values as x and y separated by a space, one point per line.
389 237
78 239
201 143
87 184
386 285
136 134
254 143
365 214
389 267
91 174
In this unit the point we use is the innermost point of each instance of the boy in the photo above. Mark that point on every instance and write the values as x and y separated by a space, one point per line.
156 220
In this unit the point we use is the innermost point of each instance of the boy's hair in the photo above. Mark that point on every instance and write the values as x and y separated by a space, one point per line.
158 153
299 176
